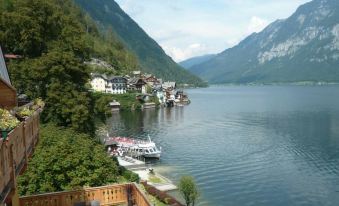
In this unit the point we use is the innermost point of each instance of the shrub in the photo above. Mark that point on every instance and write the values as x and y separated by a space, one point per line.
25 112
7 121
188 190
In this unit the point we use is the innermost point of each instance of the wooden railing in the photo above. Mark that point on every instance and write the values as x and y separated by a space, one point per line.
139 197
125 194
14 152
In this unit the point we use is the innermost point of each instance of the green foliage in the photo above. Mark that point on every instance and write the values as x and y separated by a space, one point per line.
101 105
25 112
55 38
38 102
7 120
128 175
155 100
188 190
66 160
127 101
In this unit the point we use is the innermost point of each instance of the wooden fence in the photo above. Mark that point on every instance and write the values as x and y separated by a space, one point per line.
14 152
121 194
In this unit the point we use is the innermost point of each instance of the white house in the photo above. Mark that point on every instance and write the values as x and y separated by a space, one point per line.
98 83
169 85
112 84
116 85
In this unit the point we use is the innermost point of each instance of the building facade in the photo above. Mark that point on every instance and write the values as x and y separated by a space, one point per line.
116 85
109 84
137 84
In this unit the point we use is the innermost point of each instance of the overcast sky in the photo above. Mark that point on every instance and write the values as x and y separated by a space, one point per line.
188 28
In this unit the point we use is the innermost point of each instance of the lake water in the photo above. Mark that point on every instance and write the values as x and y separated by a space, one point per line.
249 145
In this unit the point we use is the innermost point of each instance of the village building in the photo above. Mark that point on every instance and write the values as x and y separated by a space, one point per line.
137 84
169 85
151 80
98 82
109 84
8 98
116 85
115 106
136 73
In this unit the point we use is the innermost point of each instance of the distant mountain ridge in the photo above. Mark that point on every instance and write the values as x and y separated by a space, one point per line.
188 63
151 56
303 47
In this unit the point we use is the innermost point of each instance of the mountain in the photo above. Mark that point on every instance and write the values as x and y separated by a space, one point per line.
151 56
188 63
303 47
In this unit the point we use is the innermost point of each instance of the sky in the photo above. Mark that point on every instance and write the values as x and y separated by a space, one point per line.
189 28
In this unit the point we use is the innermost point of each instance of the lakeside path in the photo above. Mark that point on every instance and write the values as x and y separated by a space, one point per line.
139 167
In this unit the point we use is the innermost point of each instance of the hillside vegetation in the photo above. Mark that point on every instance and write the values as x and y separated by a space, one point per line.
151 56
54 39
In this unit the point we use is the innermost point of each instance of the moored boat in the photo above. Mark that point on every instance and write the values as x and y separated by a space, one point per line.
125 145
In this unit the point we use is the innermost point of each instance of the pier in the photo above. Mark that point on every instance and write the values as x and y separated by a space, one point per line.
155 179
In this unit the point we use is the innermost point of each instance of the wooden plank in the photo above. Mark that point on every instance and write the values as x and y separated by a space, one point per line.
16 140
8 97
5 167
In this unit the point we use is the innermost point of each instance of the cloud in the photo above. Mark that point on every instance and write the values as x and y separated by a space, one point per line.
196 27
256 25
132 8
180 54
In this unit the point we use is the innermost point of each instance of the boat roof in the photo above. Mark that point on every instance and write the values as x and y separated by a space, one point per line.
110 142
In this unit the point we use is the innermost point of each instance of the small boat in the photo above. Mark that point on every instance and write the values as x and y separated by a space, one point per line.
133 146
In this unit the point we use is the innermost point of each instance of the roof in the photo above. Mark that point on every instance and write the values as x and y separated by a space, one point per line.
136 72
12 56
135 80
3 69
110 142
166 85
104 76
114 103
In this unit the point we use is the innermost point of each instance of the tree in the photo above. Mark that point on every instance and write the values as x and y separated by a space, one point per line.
55 39
66 160
188 190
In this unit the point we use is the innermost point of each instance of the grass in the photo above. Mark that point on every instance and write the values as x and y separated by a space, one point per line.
151 198
155 179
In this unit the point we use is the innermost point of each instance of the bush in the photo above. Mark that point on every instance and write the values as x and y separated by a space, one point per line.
128 175
188 190
66 160
7 121
24 112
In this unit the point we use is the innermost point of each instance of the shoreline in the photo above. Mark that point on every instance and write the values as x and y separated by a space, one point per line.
306 83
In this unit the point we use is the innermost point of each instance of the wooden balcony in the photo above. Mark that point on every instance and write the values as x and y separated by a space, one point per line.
14 153
124 194
7 95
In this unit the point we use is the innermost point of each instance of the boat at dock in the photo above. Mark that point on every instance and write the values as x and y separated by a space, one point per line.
121 146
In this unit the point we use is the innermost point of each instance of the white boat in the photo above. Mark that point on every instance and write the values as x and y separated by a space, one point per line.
134 146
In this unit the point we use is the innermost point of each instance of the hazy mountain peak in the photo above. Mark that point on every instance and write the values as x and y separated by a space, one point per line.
303 47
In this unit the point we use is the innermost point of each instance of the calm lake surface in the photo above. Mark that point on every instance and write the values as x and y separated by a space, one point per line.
249 145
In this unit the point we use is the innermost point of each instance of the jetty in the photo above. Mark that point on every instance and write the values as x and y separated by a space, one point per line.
146 173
